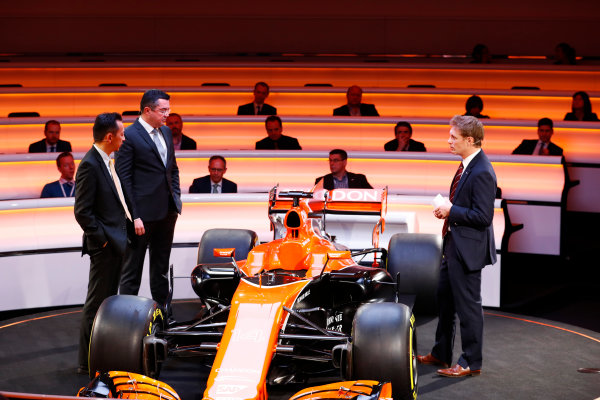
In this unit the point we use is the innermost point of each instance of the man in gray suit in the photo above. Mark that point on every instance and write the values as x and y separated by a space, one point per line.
102 212
147 167
468 246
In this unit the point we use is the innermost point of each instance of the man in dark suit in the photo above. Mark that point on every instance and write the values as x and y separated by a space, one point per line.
65 186
102 211
403 141
339 178
214 182
180 141
543 146
258 106
52 142
275 140
148 169
468 246
355 107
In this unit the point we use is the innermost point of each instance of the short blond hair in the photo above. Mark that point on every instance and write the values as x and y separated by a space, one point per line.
468 127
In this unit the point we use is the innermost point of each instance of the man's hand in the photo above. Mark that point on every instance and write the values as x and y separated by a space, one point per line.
443 211
139 227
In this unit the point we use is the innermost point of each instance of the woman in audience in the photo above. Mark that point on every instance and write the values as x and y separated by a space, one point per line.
474 107
581 108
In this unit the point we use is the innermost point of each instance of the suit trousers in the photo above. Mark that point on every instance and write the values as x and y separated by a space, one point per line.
105 272
459 293
158 239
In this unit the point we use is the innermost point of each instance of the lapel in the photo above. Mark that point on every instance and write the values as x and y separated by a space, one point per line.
106 174
466 173
146 138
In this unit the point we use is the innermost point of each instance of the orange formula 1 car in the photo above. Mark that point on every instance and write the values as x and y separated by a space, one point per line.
298 307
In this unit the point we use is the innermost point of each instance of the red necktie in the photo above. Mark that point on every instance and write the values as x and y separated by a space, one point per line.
452 192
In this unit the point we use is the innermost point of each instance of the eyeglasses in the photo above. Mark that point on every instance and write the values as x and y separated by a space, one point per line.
216 169
163 111
335 160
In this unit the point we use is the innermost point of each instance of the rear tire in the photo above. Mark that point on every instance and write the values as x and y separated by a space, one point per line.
120 325
383 347
417 257
242 240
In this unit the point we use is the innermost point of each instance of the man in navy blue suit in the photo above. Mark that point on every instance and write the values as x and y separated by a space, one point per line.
148 170
65 186
468 246
214 182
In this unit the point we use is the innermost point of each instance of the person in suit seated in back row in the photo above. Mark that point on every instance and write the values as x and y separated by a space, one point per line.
275 140
65 186
52 142
355 107
258 106
214 182
543 146
403 141
339 178
180 141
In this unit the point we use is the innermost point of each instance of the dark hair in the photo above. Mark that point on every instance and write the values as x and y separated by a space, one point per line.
105 123
474 101
545 121
52 121
175 115
339 152
272 118
404 124
568 51
61 156
587 104
217 157
478 52
468 126
261 84
151 97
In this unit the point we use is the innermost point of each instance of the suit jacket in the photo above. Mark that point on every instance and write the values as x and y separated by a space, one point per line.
413 145
151 186
98 209
187 143
248 109
284 143
204 185
355 181
527 146
366 110
471 215
40 147
53 189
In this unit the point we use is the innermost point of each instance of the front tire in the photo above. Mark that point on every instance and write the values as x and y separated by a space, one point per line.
119 328
383 347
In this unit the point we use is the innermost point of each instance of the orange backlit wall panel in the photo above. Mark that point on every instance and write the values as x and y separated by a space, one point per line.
581 141
418 103
452 76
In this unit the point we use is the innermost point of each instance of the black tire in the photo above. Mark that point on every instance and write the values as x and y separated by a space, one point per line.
417 257
383 347
120 325
242 239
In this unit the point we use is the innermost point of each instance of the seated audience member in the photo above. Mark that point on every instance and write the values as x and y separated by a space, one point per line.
214 182
543 146
65 186
403 141
52 143
474 107
258 106
339 178
275 140
355 107
180 141
564 54
481 54
581 108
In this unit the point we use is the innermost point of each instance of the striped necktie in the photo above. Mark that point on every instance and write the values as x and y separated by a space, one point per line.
455 181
